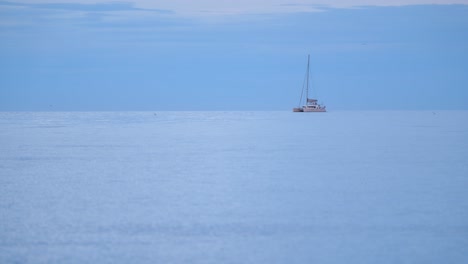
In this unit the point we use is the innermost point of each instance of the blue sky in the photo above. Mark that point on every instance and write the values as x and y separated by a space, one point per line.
249 55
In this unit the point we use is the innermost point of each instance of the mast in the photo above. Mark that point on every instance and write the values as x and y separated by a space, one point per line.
307 87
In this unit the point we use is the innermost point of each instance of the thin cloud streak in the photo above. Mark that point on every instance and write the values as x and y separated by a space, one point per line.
86 7
240 7
209 8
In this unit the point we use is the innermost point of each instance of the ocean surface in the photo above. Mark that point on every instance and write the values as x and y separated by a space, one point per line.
234 187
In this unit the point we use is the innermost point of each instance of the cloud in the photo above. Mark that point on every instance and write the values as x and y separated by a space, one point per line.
229 7
213 8
86 7
14 14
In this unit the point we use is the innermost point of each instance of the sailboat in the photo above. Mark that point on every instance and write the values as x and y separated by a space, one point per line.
311 105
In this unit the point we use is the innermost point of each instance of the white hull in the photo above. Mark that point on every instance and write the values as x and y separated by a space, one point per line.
305 109
314 110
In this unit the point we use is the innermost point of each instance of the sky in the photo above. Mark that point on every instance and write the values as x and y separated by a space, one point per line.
89 55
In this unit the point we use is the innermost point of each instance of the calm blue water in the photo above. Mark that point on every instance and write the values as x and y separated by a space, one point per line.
234 187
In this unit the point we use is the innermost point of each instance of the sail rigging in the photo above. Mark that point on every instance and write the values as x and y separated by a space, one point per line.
311 105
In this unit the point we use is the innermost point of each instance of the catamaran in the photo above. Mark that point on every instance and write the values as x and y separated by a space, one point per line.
311 105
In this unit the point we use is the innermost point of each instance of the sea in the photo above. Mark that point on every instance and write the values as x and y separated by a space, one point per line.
234 187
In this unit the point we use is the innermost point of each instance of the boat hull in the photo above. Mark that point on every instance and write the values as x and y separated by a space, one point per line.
314 110
309 110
